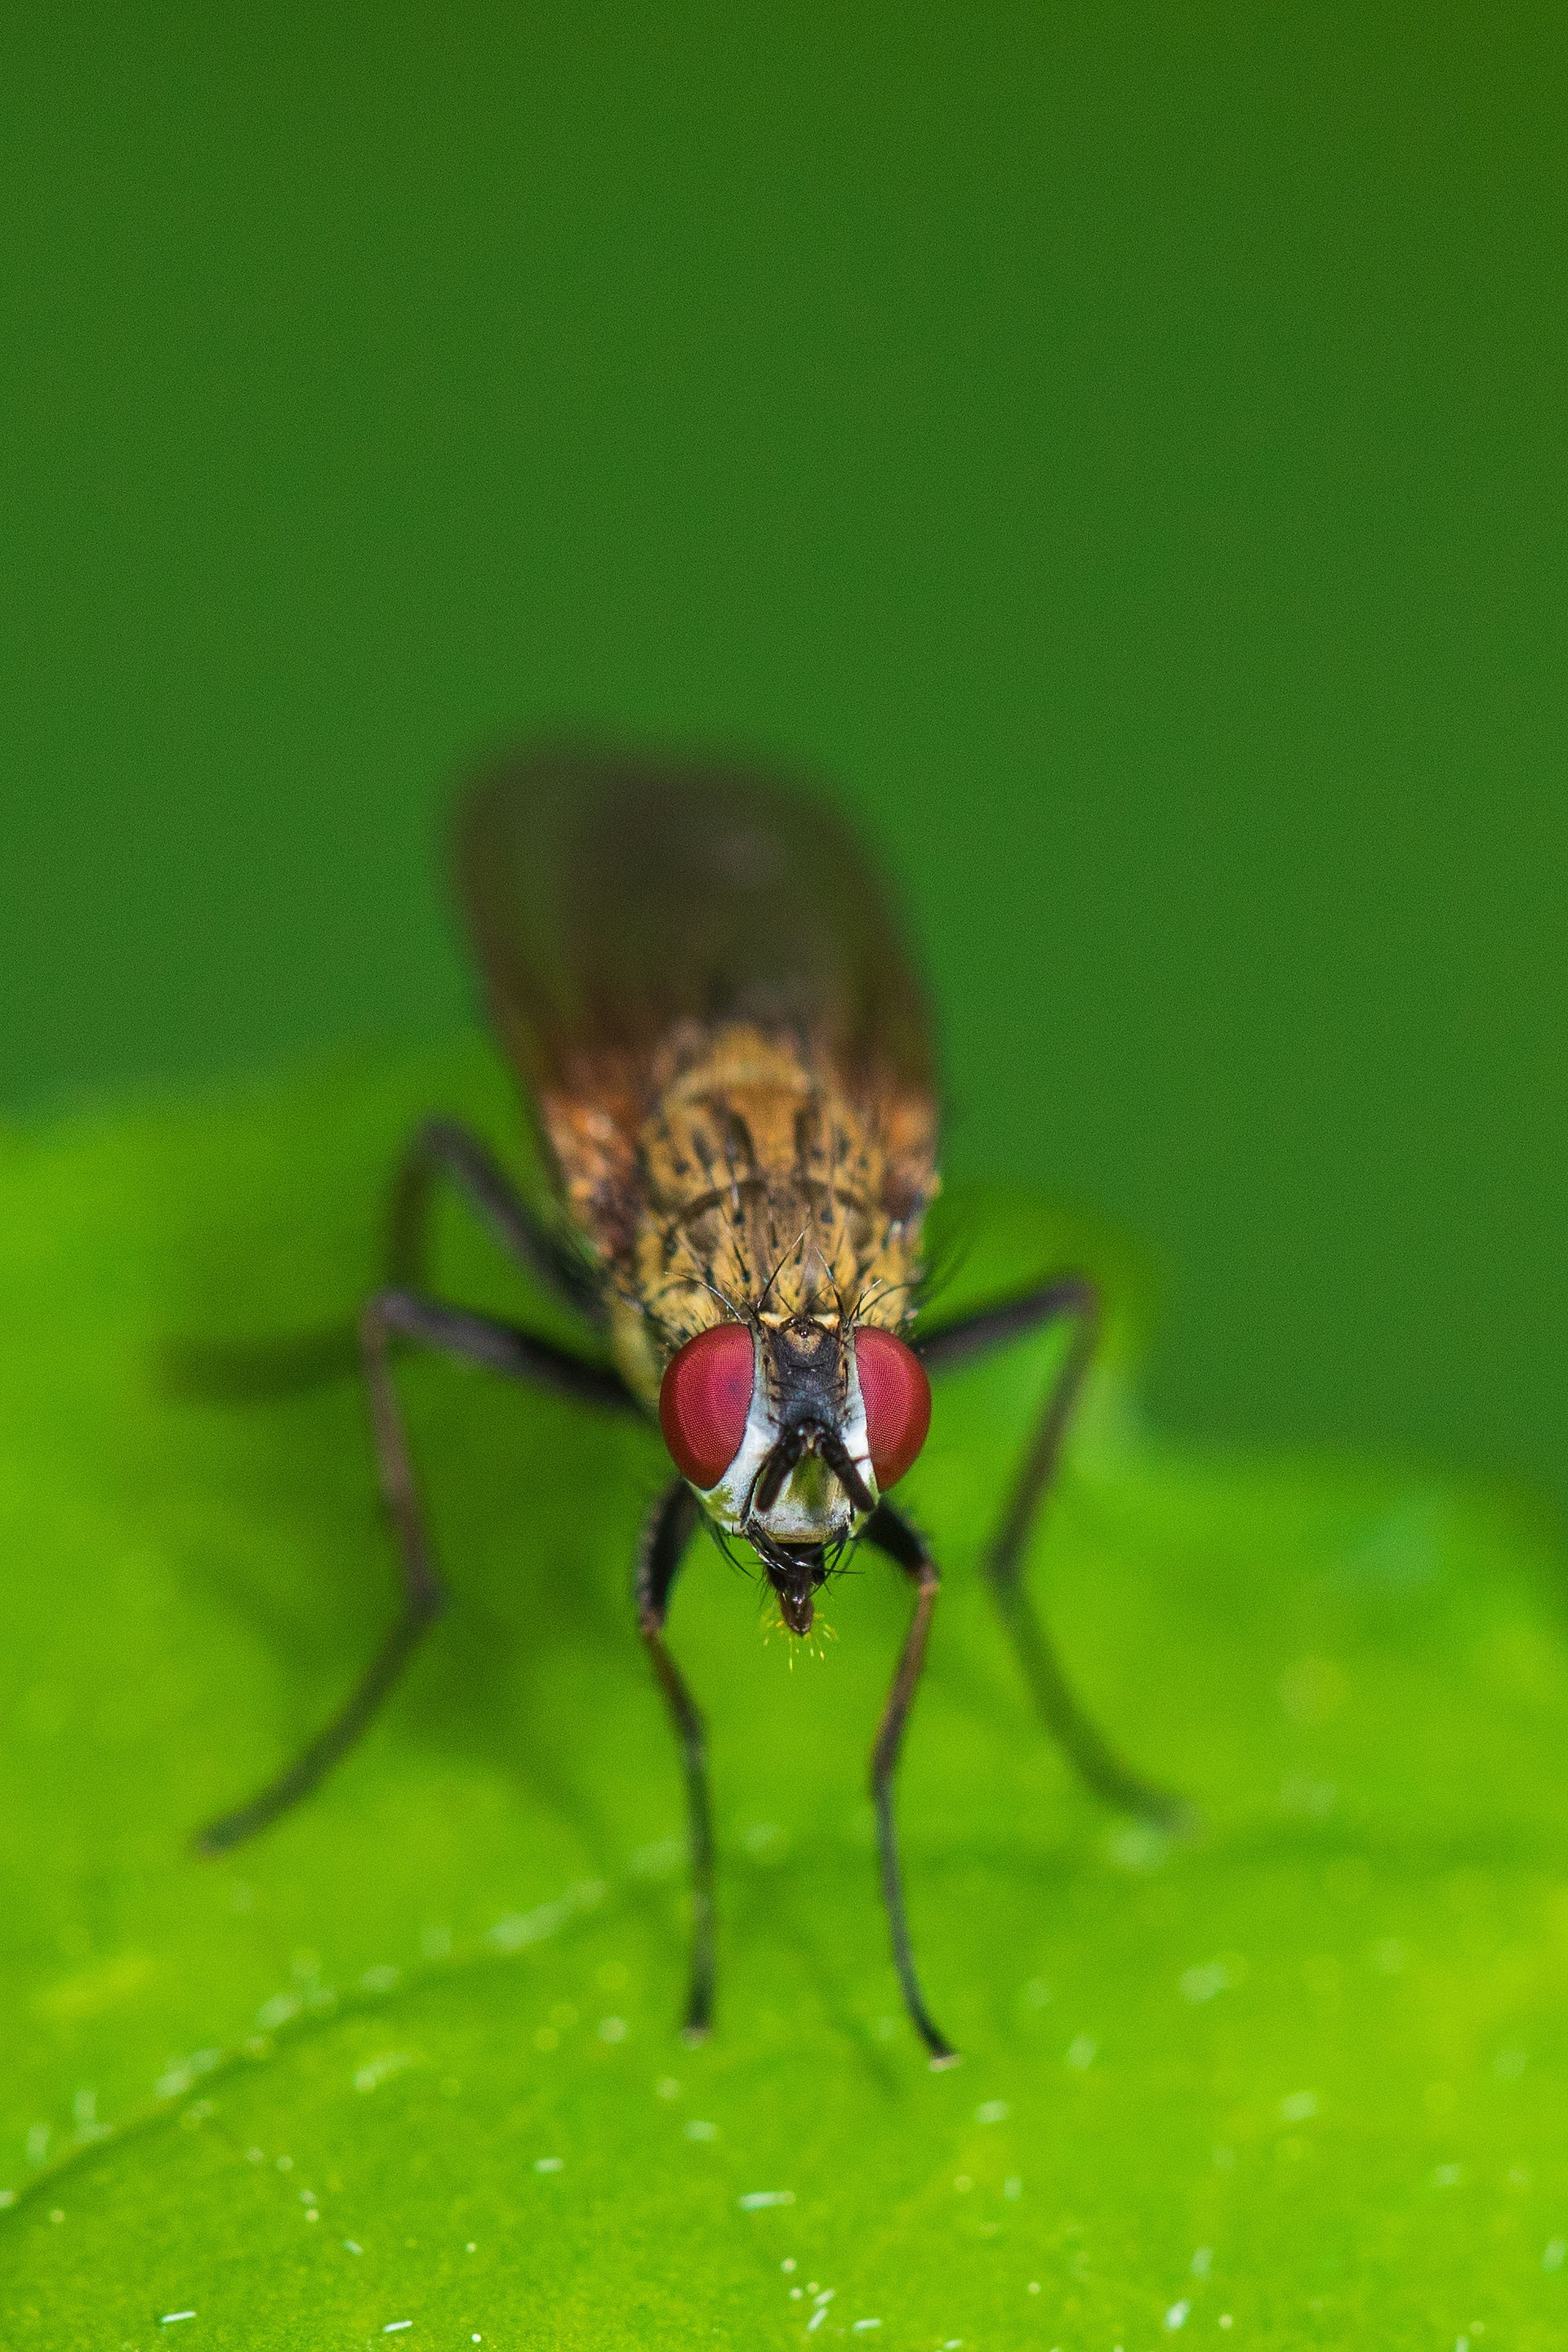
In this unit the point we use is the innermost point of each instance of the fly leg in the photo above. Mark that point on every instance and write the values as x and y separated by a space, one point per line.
251 1370
1073 1299
664 1538
481 1340
892 1533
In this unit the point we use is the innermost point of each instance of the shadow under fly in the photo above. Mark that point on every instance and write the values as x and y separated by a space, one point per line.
723 1046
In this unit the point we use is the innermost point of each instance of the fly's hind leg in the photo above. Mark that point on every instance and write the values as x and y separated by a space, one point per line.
479 1339
443 1148
242 1371
1075 1300
664 1538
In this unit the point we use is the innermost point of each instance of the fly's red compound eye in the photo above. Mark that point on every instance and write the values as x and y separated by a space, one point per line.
896 1395
704 1401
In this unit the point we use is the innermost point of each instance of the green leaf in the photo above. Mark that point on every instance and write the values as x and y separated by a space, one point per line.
412 2059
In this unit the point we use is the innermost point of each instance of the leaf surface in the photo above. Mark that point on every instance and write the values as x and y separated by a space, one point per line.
405 2070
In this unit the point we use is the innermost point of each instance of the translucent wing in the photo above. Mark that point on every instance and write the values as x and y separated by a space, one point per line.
617 908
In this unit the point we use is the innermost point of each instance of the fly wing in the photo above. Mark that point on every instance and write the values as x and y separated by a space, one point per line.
618 907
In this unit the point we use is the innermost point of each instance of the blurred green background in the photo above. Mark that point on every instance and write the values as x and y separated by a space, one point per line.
1121 448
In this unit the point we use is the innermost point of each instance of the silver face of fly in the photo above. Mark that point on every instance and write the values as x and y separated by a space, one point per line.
802 1483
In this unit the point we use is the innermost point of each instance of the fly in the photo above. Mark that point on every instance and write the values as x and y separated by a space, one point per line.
725 1053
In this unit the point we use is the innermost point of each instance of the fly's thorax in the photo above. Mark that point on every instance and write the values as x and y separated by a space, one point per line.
766 1186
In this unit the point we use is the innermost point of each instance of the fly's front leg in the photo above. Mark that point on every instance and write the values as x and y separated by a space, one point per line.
481 1340
892 1533
665 1536
1075 1300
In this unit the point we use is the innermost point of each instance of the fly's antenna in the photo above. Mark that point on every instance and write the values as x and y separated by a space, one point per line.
836 1454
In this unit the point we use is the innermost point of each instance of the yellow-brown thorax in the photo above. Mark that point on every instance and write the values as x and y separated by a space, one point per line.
755 1178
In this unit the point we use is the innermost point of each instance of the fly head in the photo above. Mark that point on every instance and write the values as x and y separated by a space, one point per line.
789 1429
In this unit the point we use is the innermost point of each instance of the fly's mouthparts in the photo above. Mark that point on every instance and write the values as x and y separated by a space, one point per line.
787 1560
794 1577
797 1609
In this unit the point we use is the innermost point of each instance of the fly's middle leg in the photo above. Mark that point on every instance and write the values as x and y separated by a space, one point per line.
401 1315
424 1599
